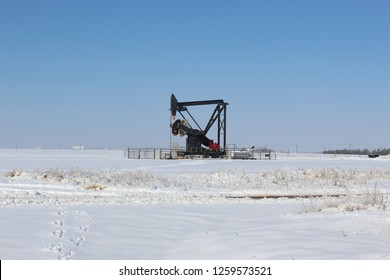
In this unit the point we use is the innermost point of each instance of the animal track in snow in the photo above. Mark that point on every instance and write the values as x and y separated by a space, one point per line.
62 252
84 228
70 231
58 232
59 222
61 213
77 240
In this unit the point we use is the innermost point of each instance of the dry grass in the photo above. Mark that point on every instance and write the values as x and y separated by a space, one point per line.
13 173
95 187
373 198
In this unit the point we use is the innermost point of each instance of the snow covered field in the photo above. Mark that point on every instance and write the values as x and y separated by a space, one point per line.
95 204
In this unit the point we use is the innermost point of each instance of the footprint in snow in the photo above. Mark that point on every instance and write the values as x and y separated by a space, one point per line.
58 232
77 225
61 213
59 223
84 228
62 252
77 240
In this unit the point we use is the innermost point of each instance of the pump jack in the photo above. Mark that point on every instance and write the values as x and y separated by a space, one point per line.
196 137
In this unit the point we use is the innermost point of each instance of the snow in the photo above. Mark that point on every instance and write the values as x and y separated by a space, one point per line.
96 204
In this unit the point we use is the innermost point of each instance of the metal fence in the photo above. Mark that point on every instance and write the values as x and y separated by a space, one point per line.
181 153
146 153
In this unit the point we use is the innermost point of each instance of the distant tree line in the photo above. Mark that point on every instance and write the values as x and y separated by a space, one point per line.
380 151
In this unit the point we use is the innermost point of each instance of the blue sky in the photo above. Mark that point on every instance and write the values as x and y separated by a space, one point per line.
309 73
